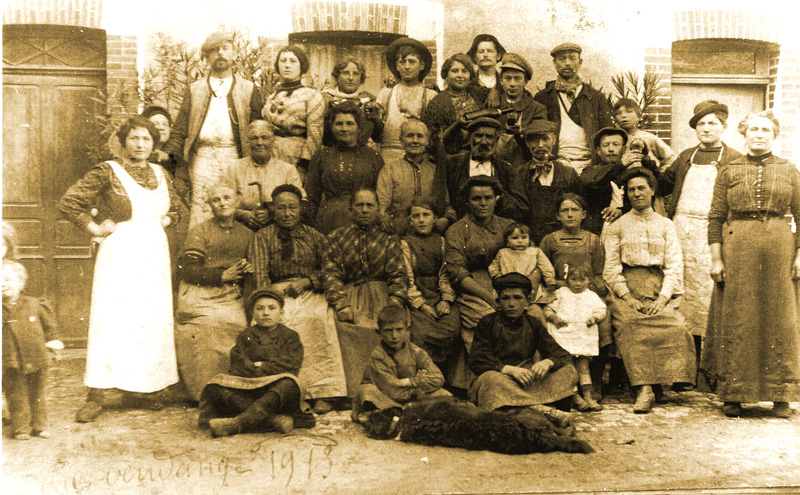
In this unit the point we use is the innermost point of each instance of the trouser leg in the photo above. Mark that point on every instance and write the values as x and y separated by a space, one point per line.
15 386
282 397
37 382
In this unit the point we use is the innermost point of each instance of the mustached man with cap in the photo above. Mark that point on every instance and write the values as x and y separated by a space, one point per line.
210 131
578 109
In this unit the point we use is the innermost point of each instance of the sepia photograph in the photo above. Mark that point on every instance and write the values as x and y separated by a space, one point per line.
400 247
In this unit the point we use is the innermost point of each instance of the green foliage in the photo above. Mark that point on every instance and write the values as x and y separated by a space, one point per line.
644 90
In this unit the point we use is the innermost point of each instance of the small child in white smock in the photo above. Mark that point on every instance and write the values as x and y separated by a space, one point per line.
572 321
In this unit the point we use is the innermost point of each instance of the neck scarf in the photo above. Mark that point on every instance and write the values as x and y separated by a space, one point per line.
570 88
289 87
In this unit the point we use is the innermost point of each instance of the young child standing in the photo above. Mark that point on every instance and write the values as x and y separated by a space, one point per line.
521 256
398 371
30 336
262 390
572 321
628 114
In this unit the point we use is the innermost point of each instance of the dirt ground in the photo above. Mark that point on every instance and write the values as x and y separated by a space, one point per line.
685 443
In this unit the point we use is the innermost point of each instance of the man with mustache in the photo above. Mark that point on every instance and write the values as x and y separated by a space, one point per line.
578 110
262 168
481 160
211 129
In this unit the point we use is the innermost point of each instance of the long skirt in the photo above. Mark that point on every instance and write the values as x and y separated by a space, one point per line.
208 321
654 348
752 350
358 339
472 309
493 389
697 284
322 373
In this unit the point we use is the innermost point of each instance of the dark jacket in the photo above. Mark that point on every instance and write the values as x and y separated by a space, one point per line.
590 110
671 181
543 200
279 350
513 204
27 326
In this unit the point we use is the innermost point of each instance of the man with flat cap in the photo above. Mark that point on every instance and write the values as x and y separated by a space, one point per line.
545 178
578 109
515 73
211 129
481 160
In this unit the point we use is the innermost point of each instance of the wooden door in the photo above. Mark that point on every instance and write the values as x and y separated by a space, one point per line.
49 120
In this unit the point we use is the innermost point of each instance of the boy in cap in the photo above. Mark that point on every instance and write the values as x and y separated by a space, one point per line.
578 109
502 356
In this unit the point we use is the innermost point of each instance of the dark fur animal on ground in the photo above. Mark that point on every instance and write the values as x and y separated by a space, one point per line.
452 423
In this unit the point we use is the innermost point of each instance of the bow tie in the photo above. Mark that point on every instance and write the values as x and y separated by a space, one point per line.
540 168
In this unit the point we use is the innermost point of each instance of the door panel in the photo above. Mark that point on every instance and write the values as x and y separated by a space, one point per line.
22 144
740 98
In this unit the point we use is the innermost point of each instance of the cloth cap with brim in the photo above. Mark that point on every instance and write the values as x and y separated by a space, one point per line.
270 293
216 39
516 62
394 47
512 280
483 122
566 47
539 127
607 131
156 110
706 107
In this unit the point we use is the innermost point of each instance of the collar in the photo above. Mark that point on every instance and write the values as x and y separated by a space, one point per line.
289 87
391 351
367 229
573 87
260 165
760 158
295 232
644 214
336 94
541 167
416 164
488 224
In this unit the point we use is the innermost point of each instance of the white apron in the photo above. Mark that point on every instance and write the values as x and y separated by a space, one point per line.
131 343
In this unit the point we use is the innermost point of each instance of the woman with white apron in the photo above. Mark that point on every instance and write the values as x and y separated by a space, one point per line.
126 206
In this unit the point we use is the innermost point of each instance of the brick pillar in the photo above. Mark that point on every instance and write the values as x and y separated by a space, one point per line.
122 77
432 77
659 60
784 100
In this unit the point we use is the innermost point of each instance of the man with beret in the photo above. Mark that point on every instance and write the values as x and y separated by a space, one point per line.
515 73
545 178
578 110
211 129
481 160
502 356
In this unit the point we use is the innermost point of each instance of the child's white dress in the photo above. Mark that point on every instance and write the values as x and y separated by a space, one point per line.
575 309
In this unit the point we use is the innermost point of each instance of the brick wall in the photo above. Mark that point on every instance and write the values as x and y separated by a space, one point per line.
786 101
697 24
348 16
431 78
122 78
659 60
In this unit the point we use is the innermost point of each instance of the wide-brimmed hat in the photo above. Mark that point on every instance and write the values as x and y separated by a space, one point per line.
391 56
566 47
517 62
608 131
706 107
216 39
540 126
512 280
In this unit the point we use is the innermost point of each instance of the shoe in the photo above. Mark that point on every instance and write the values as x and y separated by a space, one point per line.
224 427
645 400
22 436
42 433
781 410
593 404
559 418
579 404
89 412
304 420
732 409
322 406
282 423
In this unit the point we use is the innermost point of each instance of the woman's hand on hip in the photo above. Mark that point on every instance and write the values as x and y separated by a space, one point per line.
166 221
104 229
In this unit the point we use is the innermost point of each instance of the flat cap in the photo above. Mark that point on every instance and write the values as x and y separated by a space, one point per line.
607 131
540 126
483 122
566 47
512 280
266 292
517 62
216 39
706 107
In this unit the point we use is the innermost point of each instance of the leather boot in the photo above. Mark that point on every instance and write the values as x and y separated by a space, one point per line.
559 418
224 427
645 400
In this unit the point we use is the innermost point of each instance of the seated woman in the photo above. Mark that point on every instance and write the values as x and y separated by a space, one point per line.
349 75
287 256
210 307
502 356
363 271
262 390
644 272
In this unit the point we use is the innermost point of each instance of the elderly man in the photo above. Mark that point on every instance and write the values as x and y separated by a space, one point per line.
413 176
212 122
481 160
578 110
545 179
255 176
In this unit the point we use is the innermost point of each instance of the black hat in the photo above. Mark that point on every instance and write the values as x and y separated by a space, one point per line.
156 110
540 126
513 280
391 56
706 107
482 122
266 292
486 37
607 131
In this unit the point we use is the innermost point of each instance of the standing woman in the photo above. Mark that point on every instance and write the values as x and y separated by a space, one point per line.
753 351
295 110
131 345
689 182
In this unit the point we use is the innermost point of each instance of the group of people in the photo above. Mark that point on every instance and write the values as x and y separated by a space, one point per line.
478 240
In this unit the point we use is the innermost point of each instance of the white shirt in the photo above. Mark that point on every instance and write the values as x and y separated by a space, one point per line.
217 129
480 168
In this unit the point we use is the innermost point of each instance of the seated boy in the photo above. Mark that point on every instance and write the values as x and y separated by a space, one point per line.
261 391
502 356
398 371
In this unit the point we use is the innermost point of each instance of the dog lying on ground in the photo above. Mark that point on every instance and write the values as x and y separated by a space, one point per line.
453 423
